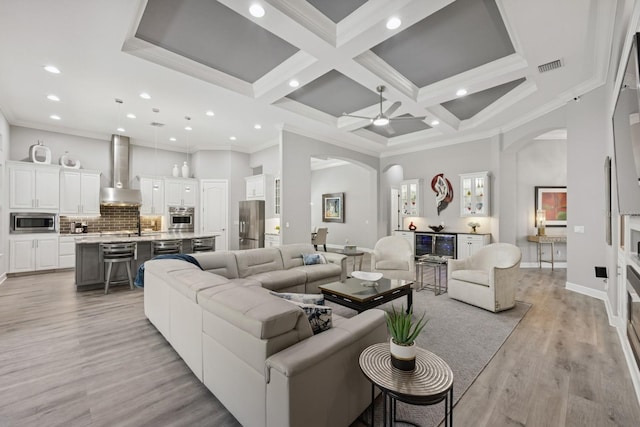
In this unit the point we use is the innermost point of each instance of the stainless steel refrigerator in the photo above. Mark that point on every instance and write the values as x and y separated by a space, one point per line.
251 225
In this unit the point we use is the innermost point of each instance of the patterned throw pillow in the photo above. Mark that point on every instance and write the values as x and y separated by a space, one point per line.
319 316
311 259
317 299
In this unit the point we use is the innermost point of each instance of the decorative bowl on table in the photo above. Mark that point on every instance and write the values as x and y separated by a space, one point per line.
437 228
370 278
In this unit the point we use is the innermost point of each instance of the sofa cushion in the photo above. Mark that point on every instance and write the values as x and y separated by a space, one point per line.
221 263
321 271
317 299
312 259
319 316
253 310
255 261
280 279
392 264
191 282
479 277
292 254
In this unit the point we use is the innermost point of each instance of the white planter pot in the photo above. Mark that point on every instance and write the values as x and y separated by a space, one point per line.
403 357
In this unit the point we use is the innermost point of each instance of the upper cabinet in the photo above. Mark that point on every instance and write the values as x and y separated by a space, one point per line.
34 187
181 192
276 196
79 192
475 194
256 187
152 190
411 197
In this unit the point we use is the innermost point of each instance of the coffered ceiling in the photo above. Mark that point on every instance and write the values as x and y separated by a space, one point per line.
194 56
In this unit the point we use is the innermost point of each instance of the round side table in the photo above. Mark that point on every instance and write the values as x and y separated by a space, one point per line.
429 383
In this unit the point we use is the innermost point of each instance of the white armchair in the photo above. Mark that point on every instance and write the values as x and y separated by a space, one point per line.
488 278
393 257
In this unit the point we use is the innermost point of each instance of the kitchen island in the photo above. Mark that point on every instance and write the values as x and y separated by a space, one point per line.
90 271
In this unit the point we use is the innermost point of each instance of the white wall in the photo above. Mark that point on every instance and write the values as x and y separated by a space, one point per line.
359 228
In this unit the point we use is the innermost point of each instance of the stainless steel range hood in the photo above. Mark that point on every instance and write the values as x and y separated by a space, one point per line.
120 194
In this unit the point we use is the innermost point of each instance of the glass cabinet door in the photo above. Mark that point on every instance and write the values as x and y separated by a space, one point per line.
410 203
474 193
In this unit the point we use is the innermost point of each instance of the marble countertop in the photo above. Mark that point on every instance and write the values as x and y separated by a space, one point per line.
150 236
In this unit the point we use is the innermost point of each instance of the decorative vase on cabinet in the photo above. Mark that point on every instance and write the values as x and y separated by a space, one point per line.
185 170
175 171
474 194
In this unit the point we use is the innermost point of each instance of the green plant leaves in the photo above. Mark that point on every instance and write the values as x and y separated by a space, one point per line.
401 326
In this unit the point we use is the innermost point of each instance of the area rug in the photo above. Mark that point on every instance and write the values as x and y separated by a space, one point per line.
464 336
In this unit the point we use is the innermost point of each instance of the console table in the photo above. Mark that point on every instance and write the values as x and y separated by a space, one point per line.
429 383
551 240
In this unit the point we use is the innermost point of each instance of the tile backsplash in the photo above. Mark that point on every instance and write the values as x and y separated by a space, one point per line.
112 218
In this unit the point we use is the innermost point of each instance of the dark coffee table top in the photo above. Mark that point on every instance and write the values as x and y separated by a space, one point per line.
353 289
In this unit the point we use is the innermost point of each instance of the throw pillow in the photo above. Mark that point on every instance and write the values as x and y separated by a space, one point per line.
317 299
311 259
319 316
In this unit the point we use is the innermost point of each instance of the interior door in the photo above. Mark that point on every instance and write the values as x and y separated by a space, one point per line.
215 211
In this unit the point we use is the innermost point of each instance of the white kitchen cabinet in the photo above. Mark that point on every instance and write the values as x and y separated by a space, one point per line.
271 240
67 252
468 244
31 253
474 194
152 190
79 192
256 187
409 236
34 187
181 192
411 197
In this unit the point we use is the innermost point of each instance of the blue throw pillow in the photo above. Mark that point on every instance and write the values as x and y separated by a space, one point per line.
317 299
311 259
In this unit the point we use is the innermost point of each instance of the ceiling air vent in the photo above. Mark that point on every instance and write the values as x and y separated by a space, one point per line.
550 66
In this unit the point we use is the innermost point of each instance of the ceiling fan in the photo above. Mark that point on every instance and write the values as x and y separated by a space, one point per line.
384 119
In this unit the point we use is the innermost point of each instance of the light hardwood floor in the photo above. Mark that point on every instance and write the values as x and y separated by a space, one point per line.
86 359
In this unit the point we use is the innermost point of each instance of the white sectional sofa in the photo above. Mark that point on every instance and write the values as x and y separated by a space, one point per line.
254 351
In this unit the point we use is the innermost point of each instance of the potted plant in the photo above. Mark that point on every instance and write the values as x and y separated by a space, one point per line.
403 331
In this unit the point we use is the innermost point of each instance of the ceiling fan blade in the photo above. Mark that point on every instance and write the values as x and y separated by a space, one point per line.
408 118
392 109
389 129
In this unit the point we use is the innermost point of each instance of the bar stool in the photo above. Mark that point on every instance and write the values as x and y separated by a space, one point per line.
164 247
111 253
203 244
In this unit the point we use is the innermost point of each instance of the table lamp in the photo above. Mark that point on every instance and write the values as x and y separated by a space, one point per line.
541 219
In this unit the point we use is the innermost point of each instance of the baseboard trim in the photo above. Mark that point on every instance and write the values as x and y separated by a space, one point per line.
535 264
3 277
620 326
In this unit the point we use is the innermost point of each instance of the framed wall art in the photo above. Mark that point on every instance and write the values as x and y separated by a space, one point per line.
553 200
333 207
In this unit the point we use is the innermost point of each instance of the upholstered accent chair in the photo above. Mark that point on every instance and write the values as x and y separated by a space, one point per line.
488 278
320 238
393 257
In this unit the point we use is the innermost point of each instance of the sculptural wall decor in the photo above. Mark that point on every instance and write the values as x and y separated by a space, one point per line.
444 191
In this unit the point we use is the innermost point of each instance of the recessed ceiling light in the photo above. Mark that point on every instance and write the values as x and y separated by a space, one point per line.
131 116
172 139
54 117
393 23
257 126
53 97
435 123
461 92
210 113
294 83
188 128
52 69
233 138
145 95
121 130
256 10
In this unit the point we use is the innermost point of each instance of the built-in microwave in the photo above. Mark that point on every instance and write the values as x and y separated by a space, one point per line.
36 222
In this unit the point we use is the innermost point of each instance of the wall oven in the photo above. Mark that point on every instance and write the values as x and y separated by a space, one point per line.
181 218
26 222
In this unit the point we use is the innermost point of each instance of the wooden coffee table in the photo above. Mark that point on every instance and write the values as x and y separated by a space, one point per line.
351 293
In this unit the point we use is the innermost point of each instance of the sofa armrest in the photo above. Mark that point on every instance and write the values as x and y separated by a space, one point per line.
339 259
312 351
